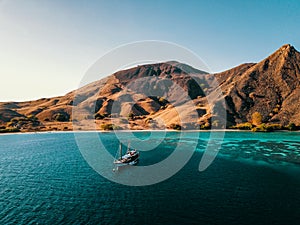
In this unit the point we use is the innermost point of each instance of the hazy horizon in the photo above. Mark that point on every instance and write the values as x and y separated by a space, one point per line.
47 46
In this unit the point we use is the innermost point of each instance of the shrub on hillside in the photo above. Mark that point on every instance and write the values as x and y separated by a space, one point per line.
162 101
267 127
215 124
272 127
110 127
256 118
175 126
205 126
260 128
9 130
243 126
130 116
291 127
32 118
61 117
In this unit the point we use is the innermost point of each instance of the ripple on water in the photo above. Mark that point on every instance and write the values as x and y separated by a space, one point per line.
50 183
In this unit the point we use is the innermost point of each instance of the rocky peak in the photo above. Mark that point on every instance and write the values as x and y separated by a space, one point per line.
266 87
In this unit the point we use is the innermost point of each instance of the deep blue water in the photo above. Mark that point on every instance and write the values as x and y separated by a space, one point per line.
255 179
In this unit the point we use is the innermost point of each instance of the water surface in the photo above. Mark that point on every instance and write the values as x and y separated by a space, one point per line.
255 179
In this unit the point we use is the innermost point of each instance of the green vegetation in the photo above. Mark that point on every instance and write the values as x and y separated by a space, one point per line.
292 127
243 126
162 101
61 117
265 127
256 118
106 126
110 127
272 127
215 124
175 126
205 126
32 118
9 130
21 122
131 116
260 128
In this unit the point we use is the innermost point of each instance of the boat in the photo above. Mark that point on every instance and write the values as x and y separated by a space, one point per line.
130 158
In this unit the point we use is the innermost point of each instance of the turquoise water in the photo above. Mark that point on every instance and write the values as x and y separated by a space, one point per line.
255 179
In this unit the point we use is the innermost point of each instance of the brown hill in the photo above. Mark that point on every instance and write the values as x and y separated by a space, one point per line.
165 95
270 87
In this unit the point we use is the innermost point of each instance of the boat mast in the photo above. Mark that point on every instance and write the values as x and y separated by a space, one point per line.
121 150
128 147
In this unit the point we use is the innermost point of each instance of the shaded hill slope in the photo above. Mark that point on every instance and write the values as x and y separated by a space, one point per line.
270 87
149 96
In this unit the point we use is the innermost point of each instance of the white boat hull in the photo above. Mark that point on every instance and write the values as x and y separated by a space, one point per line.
131 163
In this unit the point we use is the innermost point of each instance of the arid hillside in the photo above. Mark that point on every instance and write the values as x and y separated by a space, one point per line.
270 87
170 95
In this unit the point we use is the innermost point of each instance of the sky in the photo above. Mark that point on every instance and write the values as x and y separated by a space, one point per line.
46 47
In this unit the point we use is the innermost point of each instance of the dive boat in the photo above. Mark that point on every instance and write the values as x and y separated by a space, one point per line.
130 158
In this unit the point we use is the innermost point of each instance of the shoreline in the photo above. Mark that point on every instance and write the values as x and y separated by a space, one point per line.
135 131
